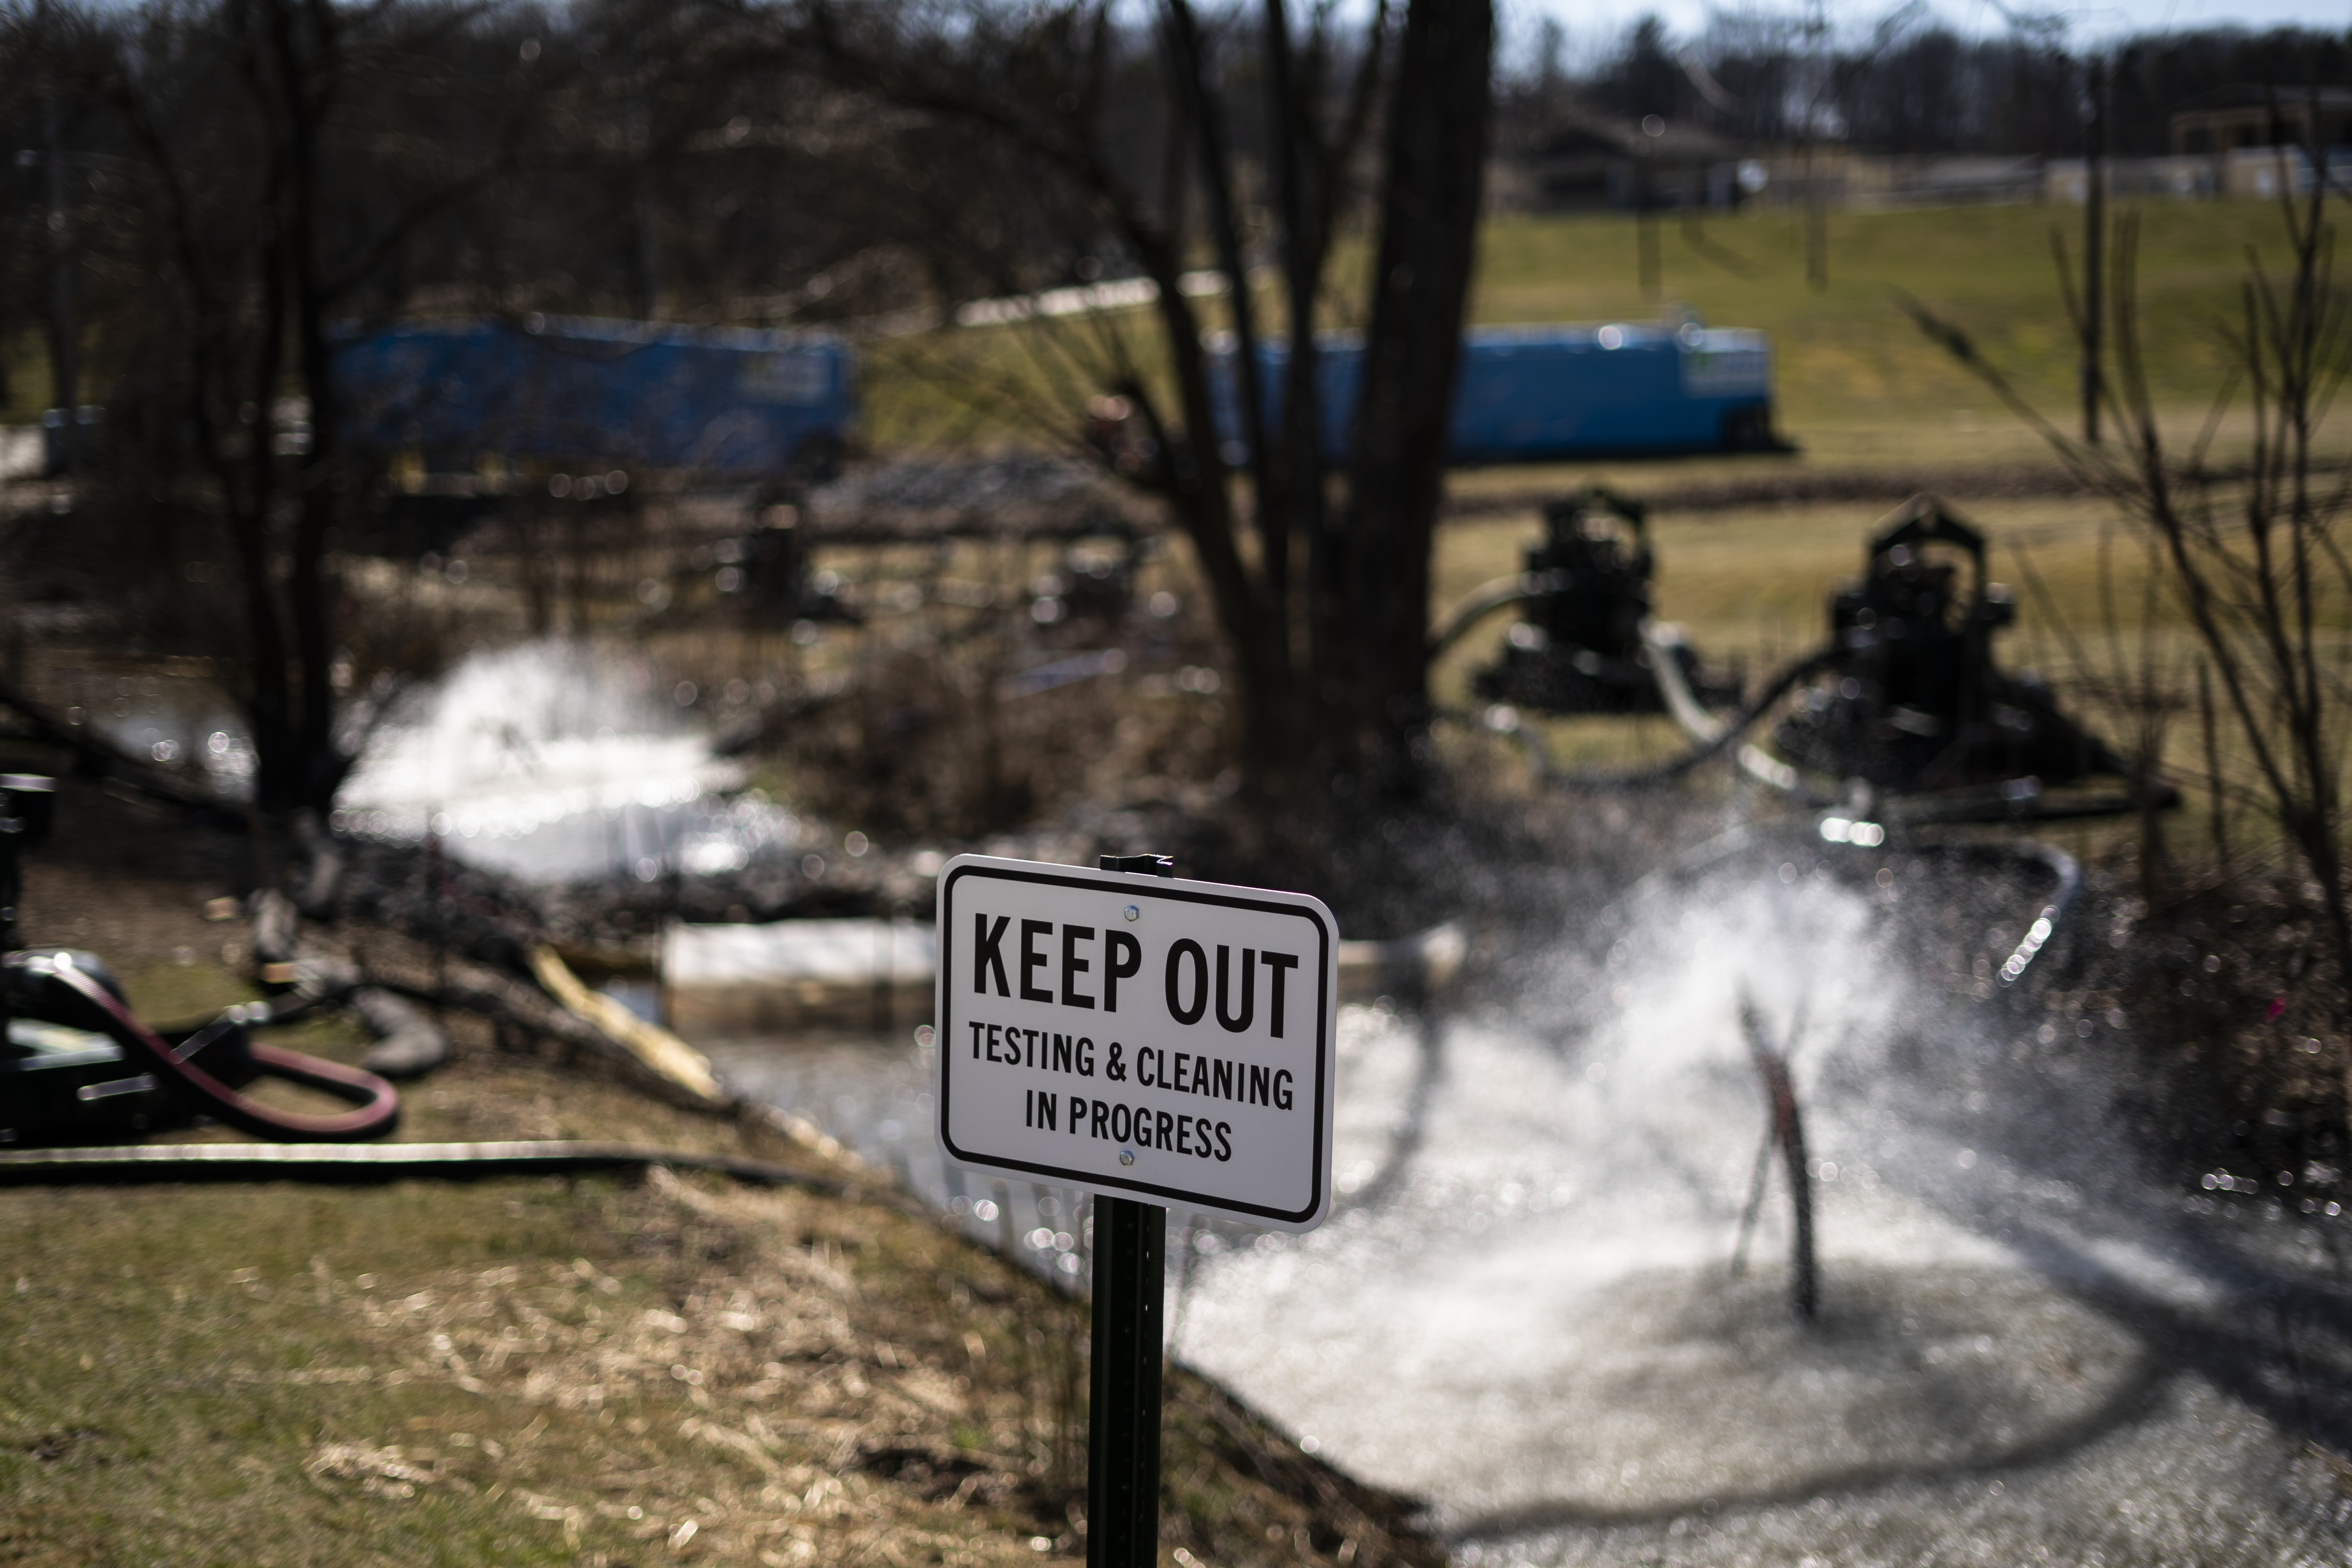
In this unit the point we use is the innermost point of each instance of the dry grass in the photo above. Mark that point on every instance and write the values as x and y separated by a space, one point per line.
360 1376
521 1371
577 1371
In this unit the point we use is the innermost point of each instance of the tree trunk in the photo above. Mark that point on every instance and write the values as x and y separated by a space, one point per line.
271 700
2095 233
63 322
311 594
1377 687
1249 387
1292 483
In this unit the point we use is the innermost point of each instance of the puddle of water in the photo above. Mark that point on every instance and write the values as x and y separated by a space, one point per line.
874 1094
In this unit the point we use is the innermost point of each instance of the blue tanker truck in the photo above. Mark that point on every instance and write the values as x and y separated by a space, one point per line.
732 403
1537 393
718 402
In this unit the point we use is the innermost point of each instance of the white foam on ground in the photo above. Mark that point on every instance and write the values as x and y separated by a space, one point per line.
22 453
784 953
552 762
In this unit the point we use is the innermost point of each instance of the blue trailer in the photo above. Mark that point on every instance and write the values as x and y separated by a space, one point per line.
1537 393
711 402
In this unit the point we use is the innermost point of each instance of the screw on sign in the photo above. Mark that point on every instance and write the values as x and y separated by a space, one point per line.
1151 1041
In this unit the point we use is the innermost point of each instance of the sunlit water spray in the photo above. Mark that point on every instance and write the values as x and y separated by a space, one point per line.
1524 1312
1551 1221
557 763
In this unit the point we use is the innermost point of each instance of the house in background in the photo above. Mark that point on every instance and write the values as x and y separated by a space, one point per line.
1578 160
2231 118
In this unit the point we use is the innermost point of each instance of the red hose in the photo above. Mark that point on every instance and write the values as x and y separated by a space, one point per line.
377 1102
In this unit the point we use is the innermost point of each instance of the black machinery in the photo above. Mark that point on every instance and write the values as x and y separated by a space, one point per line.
1904 711
773 558
1091 591
1585 642
1908 700
78 1067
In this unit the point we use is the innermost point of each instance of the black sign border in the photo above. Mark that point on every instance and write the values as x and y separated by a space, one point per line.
1156 889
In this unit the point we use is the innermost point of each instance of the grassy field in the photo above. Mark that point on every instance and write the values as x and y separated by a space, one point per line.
1858 384
591 1372
1857 380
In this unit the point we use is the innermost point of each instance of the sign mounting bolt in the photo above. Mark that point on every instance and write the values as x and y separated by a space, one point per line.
1127 1156
1133 913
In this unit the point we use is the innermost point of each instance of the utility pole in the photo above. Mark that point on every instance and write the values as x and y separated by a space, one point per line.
1816 239
2094 233
1645 204
648 214
65 357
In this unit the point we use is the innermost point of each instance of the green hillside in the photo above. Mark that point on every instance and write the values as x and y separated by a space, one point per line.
1850 362
1858 383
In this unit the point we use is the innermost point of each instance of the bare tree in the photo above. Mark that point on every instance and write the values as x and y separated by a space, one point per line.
246 126
275 171
2255 556
1429 219
1323 608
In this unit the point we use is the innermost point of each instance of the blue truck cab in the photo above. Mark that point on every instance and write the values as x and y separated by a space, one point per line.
715 403
1535 393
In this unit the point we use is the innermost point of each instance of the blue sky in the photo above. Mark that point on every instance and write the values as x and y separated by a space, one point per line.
1593 24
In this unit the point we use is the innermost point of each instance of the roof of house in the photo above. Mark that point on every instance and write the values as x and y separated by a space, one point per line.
2253 95
1575 130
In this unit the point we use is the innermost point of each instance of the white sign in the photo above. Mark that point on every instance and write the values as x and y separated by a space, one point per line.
1139 1036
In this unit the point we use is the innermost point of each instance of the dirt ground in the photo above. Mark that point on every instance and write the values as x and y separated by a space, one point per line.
596 1371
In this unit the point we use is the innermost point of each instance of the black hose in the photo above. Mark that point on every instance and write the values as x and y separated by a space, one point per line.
88 1004
1996 801
354 1162
2047 926
1485 599
1737 725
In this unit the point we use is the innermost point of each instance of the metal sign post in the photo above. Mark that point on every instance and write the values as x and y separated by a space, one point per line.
1123 1385
1123 1379
1150 1041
